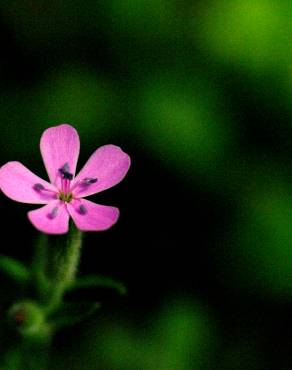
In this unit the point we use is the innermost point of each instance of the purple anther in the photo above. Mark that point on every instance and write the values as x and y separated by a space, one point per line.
38 187
65 172
89 180
82 209
53 213
67 175
65 168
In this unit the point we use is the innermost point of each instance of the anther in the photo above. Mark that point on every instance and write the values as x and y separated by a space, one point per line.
65 168
89 180
67 175
82 209
65 172
38 187
53 213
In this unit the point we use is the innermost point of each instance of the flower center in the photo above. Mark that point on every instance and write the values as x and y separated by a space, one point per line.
65 190
65 197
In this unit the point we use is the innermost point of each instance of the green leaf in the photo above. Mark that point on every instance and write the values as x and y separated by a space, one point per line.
99 281
14 269
69 314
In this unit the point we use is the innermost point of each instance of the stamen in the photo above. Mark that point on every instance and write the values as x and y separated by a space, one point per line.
41 189
65 168
82 209
85 182
67 175
38 187
53 213
89 180
65 172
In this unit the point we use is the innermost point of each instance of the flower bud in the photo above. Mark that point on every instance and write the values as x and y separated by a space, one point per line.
28 317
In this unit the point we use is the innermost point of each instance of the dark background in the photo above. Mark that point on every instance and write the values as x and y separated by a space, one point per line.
199 95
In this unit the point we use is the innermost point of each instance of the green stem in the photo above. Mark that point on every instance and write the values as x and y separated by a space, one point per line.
54 267
65 256
35 352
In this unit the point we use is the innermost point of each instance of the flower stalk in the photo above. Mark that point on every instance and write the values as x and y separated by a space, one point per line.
65 252
54 268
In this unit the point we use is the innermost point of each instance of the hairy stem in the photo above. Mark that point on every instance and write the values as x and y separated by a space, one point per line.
63 265
54 267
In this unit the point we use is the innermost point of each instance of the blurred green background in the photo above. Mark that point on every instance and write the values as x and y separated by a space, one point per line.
199 93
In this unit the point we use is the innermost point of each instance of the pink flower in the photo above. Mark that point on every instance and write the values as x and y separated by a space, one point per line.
63 196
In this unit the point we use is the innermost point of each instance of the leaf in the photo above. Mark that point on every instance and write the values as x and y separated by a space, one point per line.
98 281
14 269
69 314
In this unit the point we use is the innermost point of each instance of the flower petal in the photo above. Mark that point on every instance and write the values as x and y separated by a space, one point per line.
51 219
107 166
19 183
89 216
59 147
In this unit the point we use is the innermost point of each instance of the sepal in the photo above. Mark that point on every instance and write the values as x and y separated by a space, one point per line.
28 318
